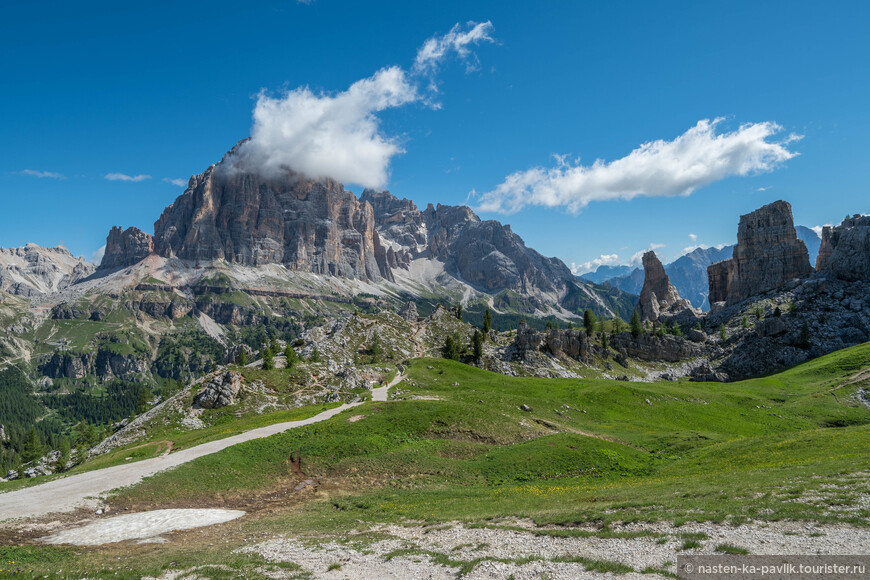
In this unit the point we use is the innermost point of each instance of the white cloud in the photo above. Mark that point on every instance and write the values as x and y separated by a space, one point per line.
818 229
42 174
339 135
97 256
592 265
637 257
693 237
696 158
177 182
329 136
437 48
690 249
760 189
125 177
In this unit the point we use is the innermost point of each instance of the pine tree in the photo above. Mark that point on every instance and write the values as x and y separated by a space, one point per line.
722 332
459 312
636 326
268 359
759 312
290 355
315 355
549 325
487 321
777 312
805 336
449 349
477 345
589 322
243 357
744 322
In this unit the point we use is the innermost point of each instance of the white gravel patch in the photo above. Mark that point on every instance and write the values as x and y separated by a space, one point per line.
144 526
497 547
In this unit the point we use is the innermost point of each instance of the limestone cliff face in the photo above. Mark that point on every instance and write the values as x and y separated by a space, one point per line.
126 247
845 249
719 277
658 295
768 255
32 269
488 254
243 217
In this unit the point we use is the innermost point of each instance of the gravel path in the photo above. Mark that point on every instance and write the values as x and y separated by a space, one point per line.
69 493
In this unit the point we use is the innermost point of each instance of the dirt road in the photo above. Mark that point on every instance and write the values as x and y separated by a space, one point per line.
70 493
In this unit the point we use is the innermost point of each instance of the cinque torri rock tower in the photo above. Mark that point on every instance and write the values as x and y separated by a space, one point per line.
845 249
767 256
658 295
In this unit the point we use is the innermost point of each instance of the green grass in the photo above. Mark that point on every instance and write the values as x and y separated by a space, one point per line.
695 451
592 451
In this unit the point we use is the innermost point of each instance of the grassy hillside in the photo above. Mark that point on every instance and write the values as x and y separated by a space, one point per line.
455 443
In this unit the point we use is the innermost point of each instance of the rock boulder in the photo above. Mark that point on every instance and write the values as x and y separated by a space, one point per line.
220 391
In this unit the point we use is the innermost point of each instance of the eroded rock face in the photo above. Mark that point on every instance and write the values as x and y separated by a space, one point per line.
126 247
243 217
649 347
33 270
529 344
221 391
845 249
409 311
767 256
658 295
399 222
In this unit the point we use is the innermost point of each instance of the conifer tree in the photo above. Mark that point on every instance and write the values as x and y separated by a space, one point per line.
636 326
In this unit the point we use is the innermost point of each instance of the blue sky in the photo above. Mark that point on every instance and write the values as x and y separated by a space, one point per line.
163 89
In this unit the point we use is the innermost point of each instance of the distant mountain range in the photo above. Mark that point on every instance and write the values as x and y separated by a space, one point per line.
688 273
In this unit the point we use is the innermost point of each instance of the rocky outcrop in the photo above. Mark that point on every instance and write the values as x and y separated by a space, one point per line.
845 249
526 343
767 256
244 217
221 391
399 222
67 365
571 343
33 270
105 364
649 347
658 295
529 344
719 276
409 311
126 247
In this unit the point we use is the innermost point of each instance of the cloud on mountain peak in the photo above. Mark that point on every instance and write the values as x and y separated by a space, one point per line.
339 135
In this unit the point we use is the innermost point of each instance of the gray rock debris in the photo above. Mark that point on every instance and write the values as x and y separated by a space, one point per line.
219 392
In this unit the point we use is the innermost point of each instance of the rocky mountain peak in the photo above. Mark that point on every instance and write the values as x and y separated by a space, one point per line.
845 249
768 254
126 247
32 269
233 213
658 295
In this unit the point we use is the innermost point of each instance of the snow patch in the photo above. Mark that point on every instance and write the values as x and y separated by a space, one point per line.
141 526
